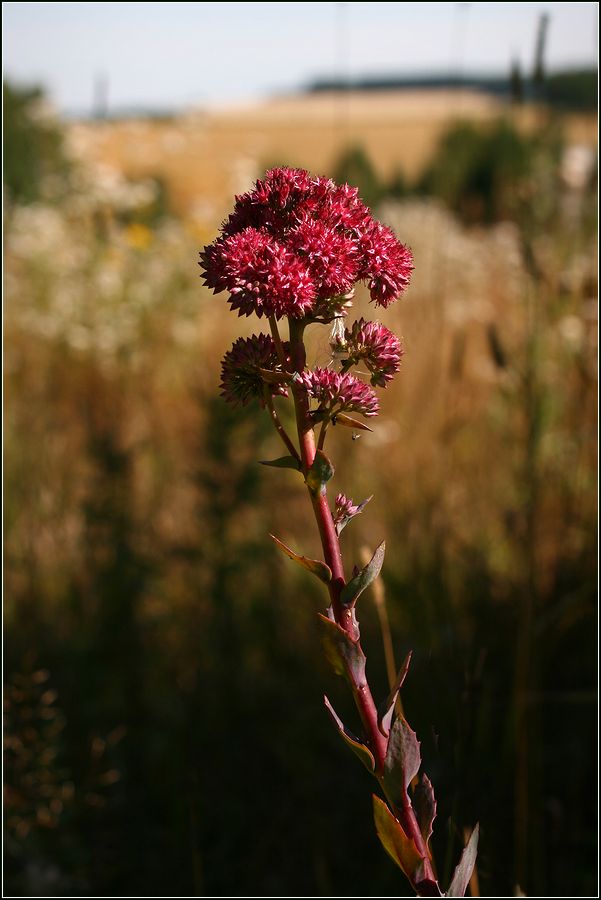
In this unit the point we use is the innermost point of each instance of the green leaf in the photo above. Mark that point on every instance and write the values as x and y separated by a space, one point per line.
342 651
402 762
360 749
401 848
283 462
348 422
364 578
424 804
315 566
385 717
320 473
465 866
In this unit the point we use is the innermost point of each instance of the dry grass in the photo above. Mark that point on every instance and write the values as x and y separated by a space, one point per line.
205 157
136 551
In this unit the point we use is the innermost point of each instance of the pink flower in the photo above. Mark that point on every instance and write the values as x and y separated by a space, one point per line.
345 510
285 188
376 346
261 275
387 264
278 201
241 380
296 244
338 392
343 208
331 256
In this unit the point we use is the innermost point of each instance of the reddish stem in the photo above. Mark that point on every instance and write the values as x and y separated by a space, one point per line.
278 425
331 547
279 347
344 617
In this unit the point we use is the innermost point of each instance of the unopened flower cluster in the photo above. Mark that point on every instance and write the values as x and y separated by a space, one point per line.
345 510
374 345
295 247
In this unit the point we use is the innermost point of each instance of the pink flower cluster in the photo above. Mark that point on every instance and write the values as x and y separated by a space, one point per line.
241 380
376 346
261 275
345 510
296 244
338 392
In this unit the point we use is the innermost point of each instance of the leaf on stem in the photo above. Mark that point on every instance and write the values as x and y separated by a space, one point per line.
359 748
344 654
320 473
401 848
424 804
315 566
427 887
364 577
385 716
283 462
402 762
465 866
273 377
349 422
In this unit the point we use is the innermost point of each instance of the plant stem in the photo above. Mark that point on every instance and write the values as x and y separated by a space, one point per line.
343 615
278 425
279 347
380 604
322 434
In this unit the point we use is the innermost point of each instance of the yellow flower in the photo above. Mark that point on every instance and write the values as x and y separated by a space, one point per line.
138 236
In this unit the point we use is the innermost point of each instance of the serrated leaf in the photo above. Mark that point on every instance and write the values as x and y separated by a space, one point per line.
359 748
385 718
402 762
341 650
364 577
348 422
465 866
315 566
424 804
320 472
401 848
283 462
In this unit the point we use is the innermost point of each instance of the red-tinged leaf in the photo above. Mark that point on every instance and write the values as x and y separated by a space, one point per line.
320 473
385 717
402 761
348 422
360 749
424 804
283 462
315 566
394 840
428 888
465 867
343 653
364 577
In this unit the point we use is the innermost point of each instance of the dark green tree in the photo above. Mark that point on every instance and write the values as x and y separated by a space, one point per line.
33 144
356 168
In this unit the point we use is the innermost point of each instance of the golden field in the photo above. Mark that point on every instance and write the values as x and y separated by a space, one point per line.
207 156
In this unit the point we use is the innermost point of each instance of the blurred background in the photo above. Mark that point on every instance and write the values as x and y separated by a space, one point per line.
164 727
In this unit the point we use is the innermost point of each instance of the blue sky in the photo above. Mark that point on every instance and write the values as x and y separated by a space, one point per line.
178 54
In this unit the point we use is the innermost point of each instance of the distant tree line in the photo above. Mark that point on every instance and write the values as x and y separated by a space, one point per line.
573 89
